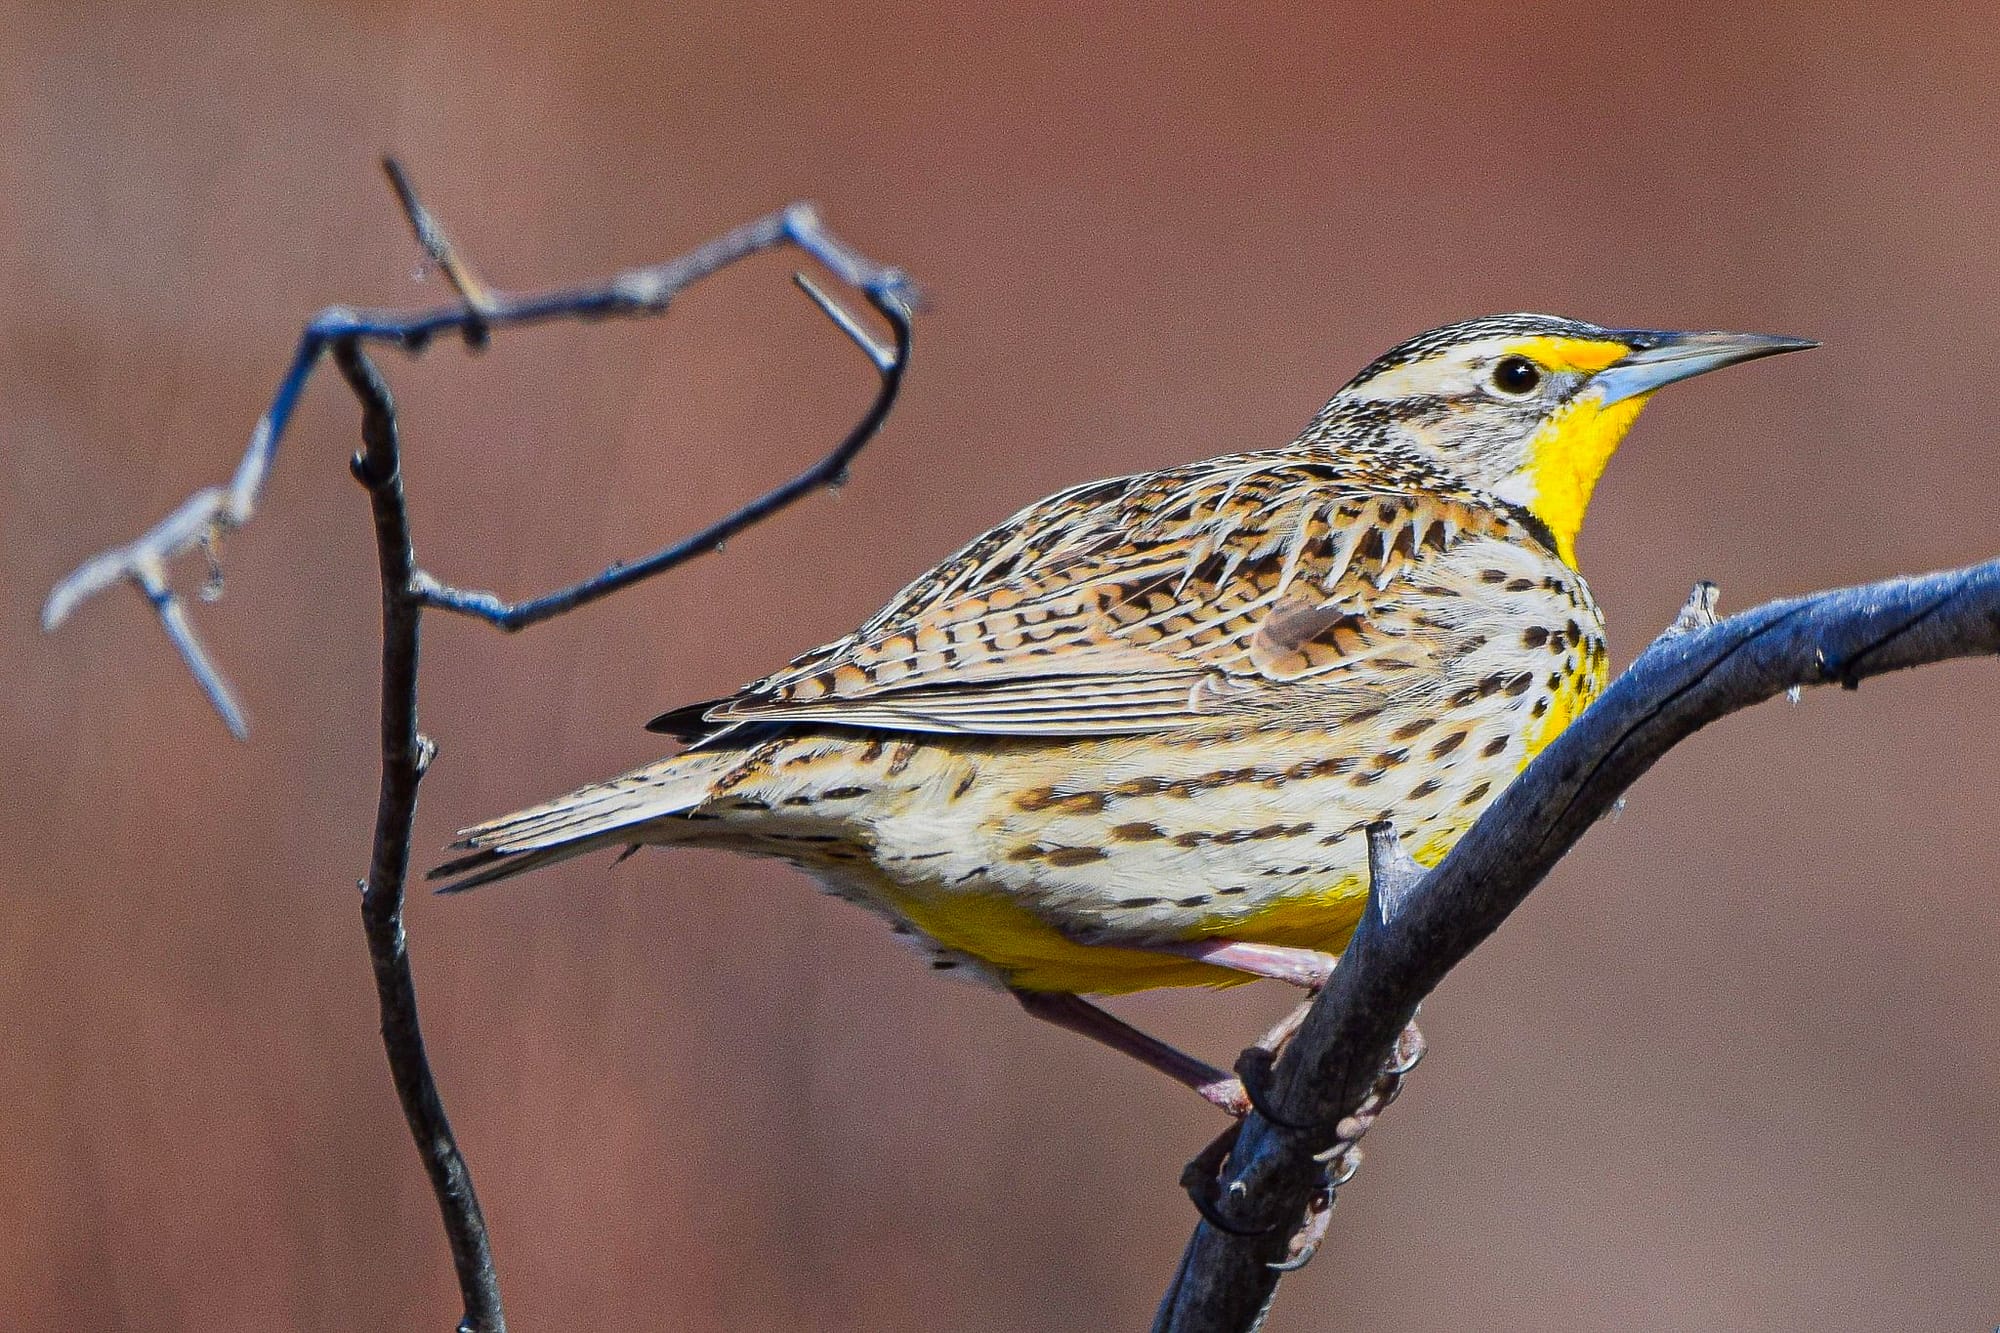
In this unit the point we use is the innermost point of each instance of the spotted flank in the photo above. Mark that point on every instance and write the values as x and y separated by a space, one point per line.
1151 716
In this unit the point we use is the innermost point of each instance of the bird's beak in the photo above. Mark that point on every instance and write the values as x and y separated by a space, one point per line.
1659 359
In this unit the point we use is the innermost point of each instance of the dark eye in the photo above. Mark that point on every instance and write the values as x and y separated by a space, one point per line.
1516 376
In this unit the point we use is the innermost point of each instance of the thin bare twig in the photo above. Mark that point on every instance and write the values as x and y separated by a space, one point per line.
209 515
1700 670
406 753
407 591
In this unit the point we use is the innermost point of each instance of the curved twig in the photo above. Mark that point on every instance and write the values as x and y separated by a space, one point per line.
209 515
1701 670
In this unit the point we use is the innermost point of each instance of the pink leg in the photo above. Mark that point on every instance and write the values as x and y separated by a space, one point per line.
1283 1030
1300 967
1081 1016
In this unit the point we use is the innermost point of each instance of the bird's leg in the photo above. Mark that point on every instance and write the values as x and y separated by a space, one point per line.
1081 1016
1308 968
1282 1031
1253 1066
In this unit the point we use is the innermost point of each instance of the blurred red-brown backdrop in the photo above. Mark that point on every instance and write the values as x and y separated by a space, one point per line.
1731 1067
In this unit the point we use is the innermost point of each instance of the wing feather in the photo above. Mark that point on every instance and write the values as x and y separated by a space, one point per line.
1147 603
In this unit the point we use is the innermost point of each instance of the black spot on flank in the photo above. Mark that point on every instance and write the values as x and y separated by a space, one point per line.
1519 684
1521 585
1424 788
944 964
1477 793
1447 745
1534 637
1138 902
1192 900
844 793
1494 746
1541 706
1232 891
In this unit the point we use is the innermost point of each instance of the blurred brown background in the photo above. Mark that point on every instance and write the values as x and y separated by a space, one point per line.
1733 1065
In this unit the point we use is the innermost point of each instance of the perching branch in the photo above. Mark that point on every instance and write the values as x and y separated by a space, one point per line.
209 515
407 590
1263 1194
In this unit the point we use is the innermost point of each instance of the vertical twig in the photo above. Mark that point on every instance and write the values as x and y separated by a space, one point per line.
406 753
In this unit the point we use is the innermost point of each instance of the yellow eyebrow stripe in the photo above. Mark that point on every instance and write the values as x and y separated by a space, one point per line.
1578 354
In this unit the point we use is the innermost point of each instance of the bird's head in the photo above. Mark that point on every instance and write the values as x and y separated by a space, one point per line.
1529 407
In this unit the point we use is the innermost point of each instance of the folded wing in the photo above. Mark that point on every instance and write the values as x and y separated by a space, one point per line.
1230 588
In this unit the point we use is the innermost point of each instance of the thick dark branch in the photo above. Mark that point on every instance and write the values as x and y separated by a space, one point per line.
406 753
205 518
1688 678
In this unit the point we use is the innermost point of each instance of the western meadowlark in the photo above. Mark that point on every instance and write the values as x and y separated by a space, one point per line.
1132 737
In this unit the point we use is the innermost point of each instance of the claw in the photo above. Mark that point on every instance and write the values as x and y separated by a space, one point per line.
1198 1178
1407 1052
1306 1240
1253 1068
1211 1212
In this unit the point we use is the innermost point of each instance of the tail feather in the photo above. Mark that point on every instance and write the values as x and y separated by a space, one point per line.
489 865
604 814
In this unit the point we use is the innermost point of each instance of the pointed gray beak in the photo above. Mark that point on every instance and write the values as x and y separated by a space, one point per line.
1659 359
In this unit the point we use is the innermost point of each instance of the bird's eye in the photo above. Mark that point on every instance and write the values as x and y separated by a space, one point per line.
1516 376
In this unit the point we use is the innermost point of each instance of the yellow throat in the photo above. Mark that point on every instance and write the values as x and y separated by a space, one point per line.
1566 458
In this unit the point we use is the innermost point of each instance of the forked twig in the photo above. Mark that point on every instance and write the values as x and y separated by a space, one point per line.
209 515
407 591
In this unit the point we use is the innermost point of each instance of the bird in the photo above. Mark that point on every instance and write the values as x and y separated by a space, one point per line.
1133 736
